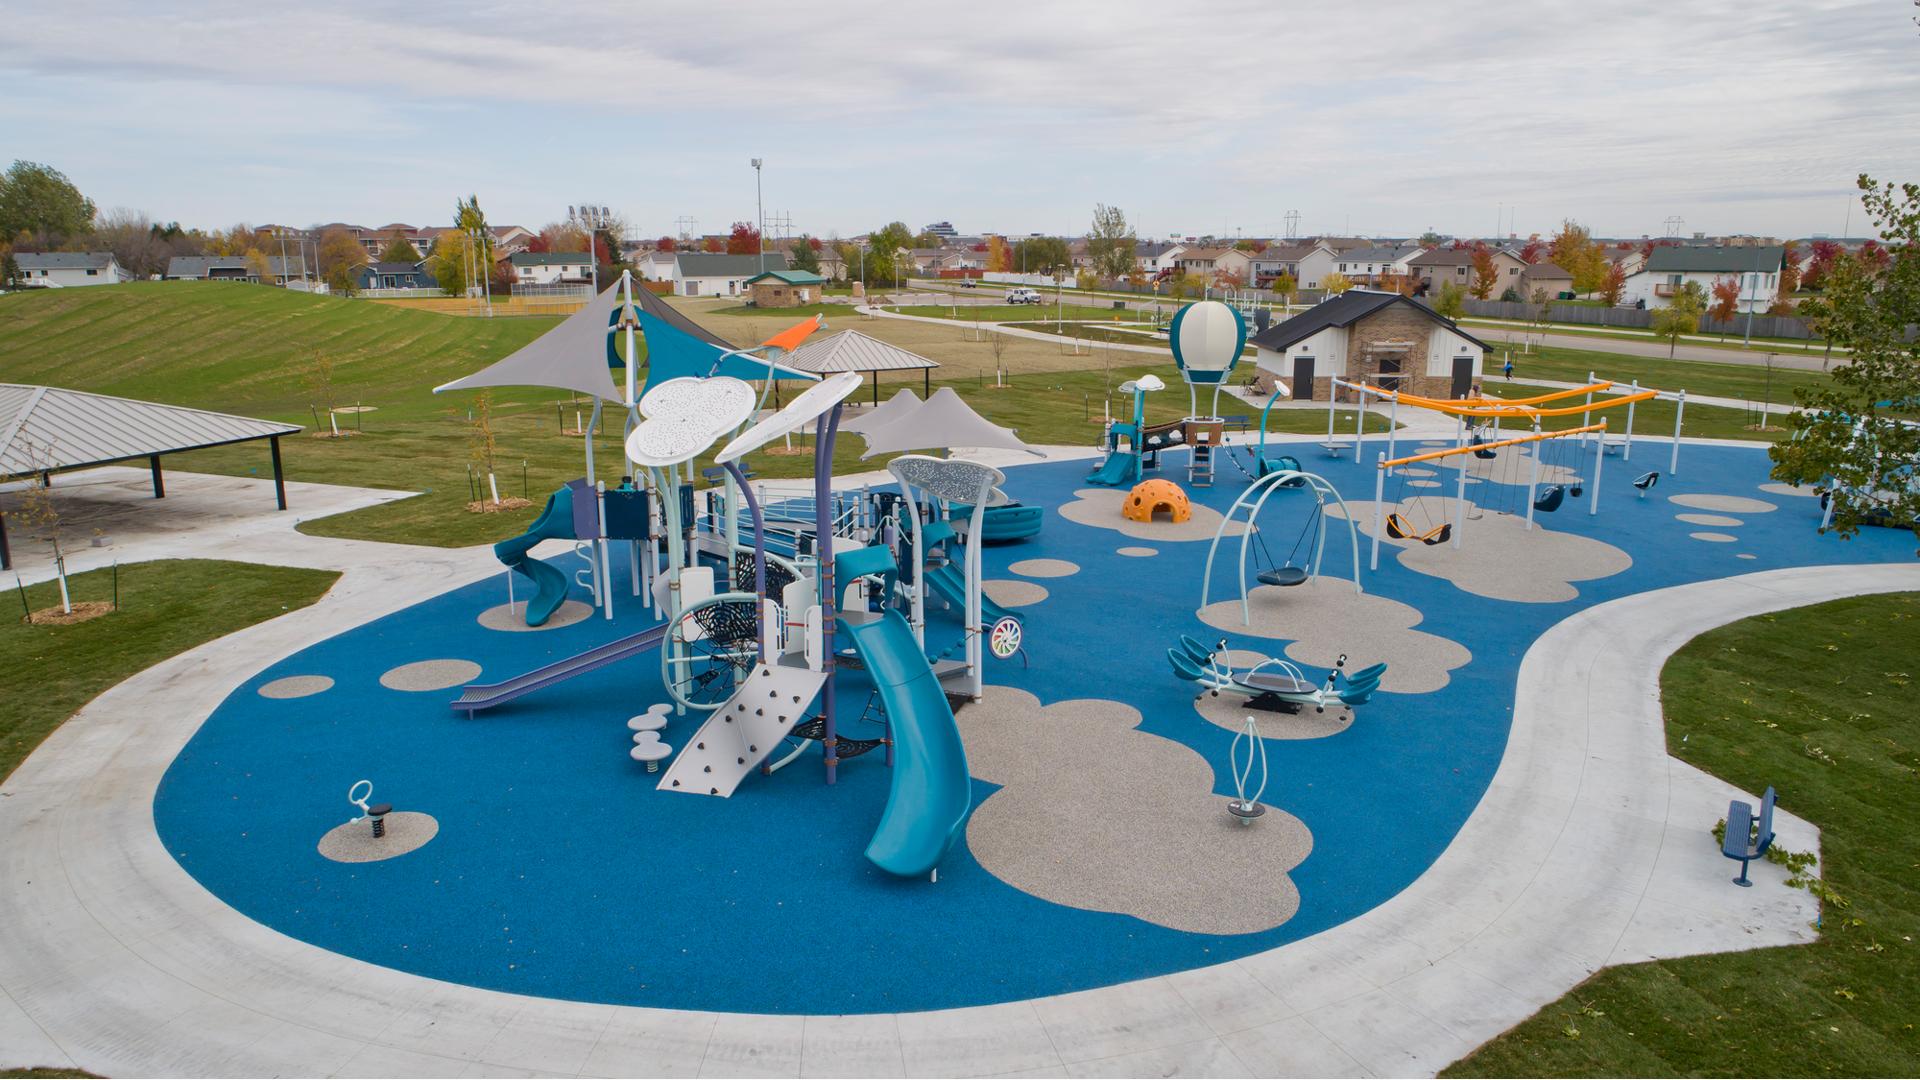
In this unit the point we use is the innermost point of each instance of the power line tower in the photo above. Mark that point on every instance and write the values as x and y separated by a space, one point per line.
685 224
1293 224
1675 225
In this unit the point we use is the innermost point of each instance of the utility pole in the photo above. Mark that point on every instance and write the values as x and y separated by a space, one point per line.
760 215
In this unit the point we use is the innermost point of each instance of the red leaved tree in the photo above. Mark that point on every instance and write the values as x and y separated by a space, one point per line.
666 243
1485 274
713 244
1726 301
1614 286
1534 250
743 240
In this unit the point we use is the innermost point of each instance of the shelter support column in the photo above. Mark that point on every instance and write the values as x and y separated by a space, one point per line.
279 474
159 485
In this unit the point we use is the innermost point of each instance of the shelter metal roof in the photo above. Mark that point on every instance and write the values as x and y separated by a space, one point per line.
851 350
45 428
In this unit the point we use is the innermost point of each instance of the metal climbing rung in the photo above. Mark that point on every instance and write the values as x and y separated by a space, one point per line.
741 733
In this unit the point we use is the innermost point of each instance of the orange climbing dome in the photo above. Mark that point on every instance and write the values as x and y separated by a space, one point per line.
1150 497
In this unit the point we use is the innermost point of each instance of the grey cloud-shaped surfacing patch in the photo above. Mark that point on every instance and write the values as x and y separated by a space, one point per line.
1498 556
1325 618
1140 833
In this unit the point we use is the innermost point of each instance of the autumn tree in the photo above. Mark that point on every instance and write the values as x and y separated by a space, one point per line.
712 245
1485 274
1336 283
1285 286
1819 261
399 249
1110 242
1452 301
1681 316
666 243
1853 437
1614 286
260 266
743 240
135 242
562 237
340 257
470 219
999 254
1574 250
1789 269
1534 250
1726 301
452 263
40 201
804 254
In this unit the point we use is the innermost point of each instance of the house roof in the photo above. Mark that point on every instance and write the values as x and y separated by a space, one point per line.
1212 253
196 266
710 264
43 428
550 258
1286 252
64 260
1446 256
790 277
1376 254
1716 260
1344 310
851 350
395 267
1545 269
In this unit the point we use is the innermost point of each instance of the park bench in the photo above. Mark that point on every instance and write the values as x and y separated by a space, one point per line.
1744 842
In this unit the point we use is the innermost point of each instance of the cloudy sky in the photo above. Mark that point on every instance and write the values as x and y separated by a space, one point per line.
1377 117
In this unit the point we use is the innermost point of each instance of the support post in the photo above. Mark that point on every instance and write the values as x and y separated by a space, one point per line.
1626 452
1393 427
1600 459
1586 414
159 486
6 550
279 476
829 426
1533 477
1460 504
1379 508
1359 425
1679 416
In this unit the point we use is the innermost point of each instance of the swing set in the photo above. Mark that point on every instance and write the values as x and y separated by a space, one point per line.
1542 499
1298 569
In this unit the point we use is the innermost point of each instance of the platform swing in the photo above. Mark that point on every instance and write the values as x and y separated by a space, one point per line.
1291 572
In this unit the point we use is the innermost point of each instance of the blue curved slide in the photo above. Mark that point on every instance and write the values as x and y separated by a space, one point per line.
951 585
1116 471
931 789
549 584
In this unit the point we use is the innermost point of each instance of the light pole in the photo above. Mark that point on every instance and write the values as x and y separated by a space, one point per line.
1750 301
760 216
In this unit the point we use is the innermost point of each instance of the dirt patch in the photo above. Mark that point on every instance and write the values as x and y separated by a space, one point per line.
483 506
82 612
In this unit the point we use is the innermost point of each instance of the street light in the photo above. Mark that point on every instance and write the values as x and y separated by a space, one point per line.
760 216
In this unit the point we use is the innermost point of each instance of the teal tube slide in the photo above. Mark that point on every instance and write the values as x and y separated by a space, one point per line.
931 789
549 584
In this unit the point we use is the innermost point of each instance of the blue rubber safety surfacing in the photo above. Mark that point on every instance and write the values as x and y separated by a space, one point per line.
560 871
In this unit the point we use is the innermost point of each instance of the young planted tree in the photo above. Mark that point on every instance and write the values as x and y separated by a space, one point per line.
1615 285
316 377
1681 316
38 513
1789 269
1452 301
1286 287
1485 274
480 440
1854 437
1336 283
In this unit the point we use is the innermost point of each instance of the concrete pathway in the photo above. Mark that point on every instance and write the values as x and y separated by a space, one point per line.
1591 847
1511 336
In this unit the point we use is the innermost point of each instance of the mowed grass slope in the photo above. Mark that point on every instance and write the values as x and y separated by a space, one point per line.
1817 702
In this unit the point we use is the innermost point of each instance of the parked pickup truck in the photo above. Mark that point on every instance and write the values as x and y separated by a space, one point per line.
1023 296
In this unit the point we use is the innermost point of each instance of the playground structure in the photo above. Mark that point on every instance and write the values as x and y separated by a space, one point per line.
1207 339
1150 497
1291 572
1273 684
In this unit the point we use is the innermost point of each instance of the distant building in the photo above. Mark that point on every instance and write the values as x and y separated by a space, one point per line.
1366 336
942 229
1668 270
70 269
708 274
1545 277
281 269
784 288
1308 263
1448 264
374 277
551 267
1368 265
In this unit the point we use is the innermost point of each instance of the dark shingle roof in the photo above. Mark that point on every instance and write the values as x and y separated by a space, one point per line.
1716 260
64 260
1344 310
710 264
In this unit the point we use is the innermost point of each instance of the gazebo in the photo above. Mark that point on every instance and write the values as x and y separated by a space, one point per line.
46 429
851 350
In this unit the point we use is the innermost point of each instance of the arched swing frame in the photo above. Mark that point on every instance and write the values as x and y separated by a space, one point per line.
1254 498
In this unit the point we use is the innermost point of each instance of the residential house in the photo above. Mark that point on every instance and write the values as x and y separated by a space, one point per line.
551 267
1200 261
1367 335
69 269
1154 259
1442 265
1630 259
709 274
784 288
281 269
379 276
1236 263
1308 263
1668 269
656 265
1370 265
1544 278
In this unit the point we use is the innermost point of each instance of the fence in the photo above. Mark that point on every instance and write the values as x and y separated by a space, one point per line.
1773 326
554 293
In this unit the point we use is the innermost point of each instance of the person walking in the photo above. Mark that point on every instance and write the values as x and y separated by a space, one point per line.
1509 369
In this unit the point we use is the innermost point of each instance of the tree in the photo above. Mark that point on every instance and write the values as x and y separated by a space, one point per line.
10 275
1789 269
1181 284
399 249
1534 250
1485 274
136 244
999 254
340 257
1574 250
804 254
1852 438
449 263
743 240
481 441
260 266
1336 283
1110 242
1681 315
1430 240
470 219
1041 255
666 243
40 201
1726 301
1452 301
1873 258
1285 286
713 245
1615 285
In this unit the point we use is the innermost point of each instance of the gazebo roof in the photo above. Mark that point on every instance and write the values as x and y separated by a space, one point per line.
45 428
851 350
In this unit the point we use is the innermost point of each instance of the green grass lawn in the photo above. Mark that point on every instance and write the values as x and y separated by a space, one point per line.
1748 383
1653 417
1818 703
166 608
1046 312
